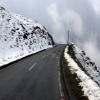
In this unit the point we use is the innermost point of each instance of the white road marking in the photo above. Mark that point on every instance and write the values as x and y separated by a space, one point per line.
32 66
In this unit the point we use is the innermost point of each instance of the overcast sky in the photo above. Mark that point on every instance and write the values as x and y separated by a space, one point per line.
81 17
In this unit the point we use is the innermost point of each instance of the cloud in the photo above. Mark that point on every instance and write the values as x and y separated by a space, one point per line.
62 23
96 5
56 23
92 50
53 12
73 22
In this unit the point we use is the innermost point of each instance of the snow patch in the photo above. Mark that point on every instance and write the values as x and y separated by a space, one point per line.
88 65
20 37
90 88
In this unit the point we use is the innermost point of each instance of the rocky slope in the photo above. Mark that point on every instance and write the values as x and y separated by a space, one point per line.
20 36
85 63
82 73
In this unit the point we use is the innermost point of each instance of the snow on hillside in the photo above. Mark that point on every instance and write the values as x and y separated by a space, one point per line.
20 36
89 86
88 65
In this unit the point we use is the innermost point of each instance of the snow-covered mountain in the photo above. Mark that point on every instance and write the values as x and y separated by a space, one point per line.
86 73
20 36
85 63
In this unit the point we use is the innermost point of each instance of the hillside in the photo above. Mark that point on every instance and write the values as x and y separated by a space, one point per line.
82 73
20 36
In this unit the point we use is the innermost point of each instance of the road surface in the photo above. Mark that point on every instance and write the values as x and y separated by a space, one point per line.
33 78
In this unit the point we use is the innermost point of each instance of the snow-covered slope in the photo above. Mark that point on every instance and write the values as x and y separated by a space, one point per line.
88 65
86 71
20 36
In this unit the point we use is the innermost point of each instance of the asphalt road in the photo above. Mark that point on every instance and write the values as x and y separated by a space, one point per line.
33 78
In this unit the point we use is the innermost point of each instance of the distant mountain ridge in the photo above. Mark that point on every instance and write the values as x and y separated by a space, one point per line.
20 36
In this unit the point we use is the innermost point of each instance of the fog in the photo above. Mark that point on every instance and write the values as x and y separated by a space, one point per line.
80 17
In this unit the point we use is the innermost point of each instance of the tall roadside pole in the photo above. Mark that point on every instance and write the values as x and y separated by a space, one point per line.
68 37
67 34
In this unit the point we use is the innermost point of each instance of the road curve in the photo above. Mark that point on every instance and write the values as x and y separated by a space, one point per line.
32 78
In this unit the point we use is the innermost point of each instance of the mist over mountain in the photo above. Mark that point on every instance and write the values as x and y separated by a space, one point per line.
82 17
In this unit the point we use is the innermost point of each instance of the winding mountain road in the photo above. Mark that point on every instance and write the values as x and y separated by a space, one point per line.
32 78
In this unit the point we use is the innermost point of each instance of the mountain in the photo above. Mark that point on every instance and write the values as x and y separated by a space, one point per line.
82 72
20 36
85 63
